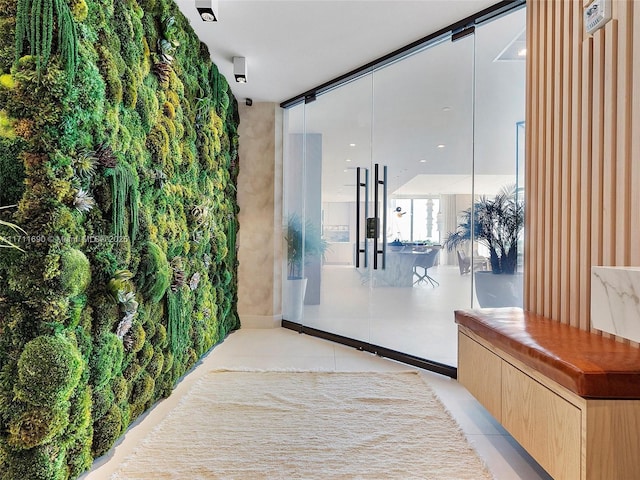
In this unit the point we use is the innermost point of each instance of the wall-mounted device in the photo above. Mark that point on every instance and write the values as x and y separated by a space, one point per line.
596 14
208 10
240 69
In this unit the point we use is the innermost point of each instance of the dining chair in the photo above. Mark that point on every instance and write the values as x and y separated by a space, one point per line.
425 261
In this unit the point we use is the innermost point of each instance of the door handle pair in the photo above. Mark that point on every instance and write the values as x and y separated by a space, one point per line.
373 223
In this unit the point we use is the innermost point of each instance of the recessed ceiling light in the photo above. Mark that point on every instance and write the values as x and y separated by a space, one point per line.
352 144
348 160
446 109
346 170
441 145
423 161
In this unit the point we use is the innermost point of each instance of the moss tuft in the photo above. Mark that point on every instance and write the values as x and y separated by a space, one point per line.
49 368
120 389
79 10
145 355
137 336
6 81
75 271
154 368
154 273
106 430
142 390
103 398
106 360
37 426
44 462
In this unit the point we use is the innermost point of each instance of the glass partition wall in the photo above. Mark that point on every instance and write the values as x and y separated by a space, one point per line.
388 178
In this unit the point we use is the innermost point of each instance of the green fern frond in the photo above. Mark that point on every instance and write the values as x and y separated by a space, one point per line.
67 38
34 25
125 194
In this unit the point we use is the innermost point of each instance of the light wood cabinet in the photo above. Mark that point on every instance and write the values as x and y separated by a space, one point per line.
545 424
571 437
479 370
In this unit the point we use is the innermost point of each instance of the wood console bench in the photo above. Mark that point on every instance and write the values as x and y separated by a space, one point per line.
571 398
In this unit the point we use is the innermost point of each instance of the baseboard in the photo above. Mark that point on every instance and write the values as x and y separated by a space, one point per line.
260 321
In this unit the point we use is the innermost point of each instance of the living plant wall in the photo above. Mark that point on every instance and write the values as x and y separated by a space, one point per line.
118 164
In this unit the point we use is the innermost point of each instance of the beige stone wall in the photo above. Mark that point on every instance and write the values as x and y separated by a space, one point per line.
260 200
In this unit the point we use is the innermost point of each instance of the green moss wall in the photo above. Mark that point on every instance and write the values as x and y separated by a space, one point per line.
118 159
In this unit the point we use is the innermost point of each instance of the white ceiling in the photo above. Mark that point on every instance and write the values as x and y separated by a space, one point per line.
294 46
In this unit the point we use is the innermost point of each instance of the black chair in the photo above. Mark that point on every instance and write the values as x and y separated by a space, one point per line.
425 261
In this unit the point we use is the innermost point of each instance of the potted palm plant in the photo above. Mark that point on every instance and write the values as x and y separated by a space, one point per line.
496 223
304 242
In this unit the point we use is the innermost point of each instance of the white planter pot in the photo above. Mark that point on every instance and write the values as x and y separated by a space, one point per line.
500 290
293 299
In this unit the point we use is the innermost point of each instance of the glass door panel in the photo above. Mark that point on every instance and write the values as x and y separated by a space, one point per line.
339 124
423 132
499 145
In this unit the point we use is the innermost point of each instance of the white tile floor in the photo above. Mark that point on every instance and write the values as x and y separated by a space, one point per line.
417 319
284 349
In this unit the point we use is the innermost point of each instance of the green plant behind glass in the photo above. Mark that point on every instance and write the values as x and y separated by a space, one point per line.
497 224
302 244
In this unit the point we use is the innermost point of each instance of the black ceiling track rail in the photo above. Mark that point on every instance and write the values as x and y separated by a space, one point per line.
483 16
406 358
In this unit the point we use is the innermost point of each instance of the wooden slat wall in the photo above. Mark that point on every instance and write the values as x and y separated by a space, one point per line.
582 153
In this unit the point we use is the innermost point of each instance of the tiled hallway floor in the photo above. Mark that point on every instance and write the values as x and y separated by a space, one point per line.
279 348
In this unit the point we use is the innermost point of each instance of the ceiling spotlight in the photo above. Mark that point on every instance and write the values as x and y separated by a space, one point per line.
441 145
352 144
208 10
240 69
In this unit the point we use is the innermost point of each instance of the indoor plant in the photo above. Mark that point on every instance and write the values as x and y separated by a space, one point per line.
304 242
496 223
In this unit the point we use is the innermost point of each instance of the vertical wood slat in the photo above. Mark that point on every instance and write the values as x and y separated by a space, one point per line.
554 112
565 159
634 229
597 148
623 150
547 159
531 152
556 160
532 139
585 182
539 195
583 185
609 140
575 206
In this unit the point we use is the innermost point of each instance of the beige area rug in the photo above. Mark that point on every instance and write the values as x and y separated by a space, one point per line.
245 425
